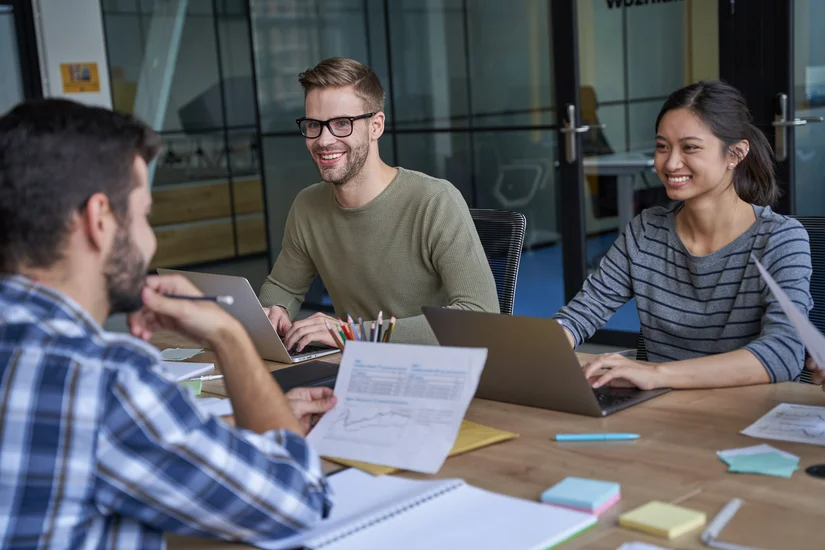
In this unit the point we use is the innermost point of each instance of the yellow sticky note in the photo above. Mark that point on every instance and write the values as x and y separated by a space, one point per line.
470 436
663 520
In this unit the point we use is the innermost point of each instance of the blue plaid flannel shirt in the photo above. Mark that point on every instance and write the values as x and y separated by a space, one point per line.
99 450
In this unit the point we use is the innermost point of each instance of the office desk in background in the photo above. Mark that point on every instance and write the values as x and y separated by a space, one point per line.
676 454
625 166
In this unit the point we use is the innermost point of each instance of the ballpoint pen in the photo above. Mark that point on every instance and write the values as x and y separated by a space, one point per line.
225 300
596 437
711 535
205 378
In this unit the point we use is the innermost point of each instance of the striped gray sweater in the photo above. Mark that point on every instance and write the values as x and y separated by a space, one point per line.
692 306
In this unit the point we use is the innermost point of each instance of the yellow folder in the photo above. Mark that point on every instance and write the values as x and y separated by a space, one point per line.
470 436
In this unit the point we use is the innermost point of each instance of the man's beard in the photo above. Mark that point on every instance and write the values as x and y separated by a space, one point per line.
125 274
357 158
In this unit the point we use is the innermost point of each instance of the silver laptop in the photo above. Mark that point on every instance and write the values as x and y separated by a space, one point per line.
247 309
529 362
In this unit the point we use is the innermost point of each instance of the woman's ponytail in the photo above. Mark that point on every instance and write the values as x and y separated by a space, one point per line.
754 178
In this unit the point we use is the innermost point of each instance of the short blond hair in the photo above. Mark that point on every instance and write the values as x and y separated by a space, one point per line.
340 72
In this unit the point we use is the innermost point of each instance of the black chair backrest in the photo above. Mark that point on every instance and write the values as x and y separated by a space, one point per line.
641 348
815 226
502 236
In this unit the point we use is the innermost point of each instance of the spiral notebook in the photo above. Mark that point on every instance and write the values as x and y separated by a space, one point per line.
402 514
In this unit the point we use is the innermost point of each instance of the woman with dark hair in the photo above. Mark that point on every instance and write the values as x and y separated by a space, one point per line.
707 317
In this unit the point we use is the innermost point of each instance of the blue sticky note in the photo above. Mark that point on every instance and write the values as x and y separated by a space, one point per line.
576 492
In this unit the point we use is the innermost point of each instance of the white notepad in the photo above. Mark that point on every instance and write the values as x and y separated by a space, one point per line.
183 370
397 513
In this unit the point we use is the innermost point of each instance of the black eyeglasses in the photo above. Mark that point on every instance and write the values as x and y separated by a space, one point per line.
339 127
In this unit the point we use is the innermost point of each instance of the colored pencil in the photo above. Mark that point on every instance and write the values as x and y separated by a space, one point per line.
335 339
352 325
379 326
388 334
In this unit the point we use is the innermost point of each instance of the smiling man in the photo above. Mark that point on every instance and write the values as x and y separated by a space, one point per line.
382 238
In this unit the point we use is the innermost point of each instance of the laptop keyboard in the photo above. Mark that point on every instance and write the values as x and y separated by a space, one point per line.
611 397
311 348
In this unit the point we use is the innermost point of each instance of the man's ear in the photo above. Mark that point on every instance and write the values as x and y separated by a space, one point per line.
377 125
98 222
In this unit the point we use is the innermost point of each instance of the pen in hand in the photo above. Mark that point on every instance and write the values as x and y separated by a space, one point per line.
225 300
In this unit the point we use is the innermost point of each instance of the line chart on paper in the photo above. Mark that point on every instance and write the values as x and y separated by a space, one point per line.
790 422
381 426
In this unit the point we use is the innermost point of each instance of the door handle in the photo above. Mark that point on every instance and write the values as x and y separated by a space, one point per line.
781 123
569 129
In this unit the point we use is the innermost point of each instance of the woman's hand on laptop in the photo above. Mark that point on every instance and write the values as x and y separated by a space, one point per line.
617 370
309 330
309 404
279 318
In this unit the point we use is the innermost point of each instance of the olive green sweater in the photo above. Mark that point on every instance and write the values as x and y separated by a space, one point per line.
413 245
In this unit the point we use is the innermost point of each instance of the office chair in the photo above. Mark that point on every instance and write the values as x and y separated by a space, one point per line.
641 348
502 237
815 226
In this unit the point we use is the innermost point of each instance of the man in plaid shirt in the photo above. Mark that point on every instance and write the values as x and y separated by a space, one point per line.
97 448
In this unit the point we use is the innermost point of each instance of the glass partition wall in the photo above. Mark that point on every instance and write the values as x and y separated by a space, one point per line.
472 90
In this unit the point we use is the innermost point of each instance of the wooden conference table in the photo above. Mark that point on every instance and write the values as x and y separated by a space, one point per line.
675 457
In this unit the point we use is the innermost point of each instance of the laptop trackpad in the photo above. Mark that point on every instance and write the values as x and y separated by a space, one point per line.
612 399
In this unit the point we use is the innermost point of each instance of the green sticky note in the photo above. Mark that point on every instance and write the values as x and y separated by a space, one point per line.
762 460
777 472
195 385
771 463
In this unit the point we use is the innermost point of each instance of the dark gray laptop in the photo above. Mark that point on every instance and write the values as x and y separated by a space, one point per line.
529 362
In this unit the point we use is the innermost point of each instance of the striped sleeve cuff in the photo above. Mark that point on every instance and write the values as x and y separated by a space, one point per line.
569 325
781 364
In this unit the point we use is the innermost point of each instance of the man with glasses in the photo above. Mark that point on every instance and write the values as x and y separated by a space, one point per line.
382 238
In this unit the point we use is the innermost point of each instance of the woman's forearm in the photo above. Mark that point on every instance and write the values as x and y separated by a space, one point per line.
734 368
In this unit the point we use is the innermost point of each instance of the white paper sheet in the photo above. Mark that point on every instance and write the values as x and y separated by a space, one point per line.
756 449
399 405
788 422
183 370
179 354
813 339
214 406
